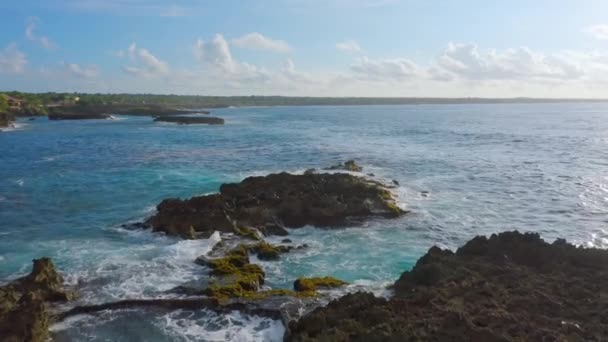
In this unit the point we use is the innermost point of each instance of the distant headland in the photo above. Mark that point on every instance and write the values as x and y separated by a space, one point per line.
78 106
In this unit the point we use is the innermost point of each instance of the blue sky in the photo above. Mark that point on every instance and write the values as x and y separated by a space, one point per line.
457 48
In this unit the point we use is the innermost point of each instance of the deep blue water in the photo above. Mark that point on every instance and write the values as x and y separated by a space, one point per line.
66 187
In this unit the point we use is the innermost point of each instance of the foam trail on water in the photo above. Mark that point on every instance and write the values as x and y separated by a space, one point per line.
209 326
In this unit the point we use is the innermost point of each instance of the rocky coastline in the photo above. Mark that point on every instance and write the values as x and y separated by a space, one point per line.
507 287
6 119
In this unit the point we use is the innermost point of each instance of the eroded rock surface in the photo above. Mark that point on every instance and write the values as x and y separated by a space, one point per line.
278 200
510 287
23 311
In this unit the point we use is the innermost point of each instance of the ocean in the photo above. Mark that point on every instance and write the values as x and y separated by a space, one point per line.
66 187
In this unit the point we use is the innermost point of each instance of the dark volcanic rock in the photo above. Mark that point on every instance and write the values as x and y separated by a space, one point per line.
6 119
23 312
189 120
322 200
511 287
99 110
75 113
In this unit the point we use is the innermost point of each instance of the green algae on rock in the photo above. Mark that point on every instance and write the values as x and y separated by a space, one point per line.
266 251
277 200
313 284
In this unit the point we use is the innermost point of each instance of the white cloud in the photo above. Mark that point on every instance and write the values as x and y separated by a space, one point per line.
349 46
599 32
30 34
217 52
147 65
466 61
12 61
77 70
257 41
386 69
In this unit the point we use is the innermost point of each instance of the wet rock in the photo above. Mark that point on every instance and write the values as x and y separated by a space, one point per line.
286 241
273 229
313 284
349 165
395 182
135 226
509 287
190 120
266 251
271 202
23 311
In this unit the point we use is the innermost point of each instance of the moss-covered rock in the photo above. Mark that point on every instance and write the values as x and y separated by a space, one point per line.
266 251
313 284
233 276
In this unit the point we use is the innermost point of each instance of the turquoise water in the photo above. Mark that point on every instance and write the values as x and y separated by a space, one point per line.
66 187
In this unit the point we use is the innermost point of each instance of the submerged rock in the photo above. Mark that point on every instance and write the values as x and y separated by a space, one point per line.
278 200
510 287
313 284
189 120
349 165
23 312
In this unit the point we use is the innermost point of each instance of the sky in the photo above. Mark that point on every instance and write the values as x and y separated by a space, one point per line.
376 48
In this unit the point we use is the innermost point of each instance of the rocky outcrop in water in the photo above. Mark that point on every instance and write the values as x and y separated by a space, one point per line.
191 120
510 287
83 112
278 200
53 115
23 310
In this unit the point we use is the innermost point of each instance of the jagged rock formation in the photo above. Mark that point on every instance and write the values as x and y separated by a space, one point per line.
510 287
278 200
23 311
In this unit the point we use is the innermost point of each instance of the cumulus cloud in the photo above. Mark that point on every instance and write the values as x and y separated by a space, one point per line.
217 52
12 61
30 34
466 61
349 46
147 65
257 41
599 32
77 70
386 69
